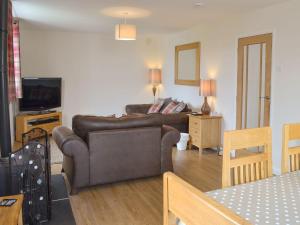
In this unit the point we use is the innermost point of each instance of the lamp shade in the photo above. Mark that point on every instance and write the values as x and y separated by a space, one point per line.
125 32
207 88
155 76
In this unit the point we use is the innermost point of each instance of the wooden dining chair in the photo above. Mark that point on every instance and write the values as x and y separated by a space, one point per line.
249 167
290 155
193 207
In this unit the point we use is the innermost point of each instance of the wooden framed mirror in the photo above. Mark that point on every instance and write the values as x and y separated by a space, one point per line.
187 64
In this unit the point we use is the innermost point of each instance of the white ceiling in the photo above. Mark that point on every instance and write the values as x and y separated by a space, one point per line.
151 16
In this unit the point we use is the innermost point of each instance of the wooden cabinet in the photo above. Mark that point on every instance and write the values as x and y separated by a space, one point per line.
48 122
205 131
12 215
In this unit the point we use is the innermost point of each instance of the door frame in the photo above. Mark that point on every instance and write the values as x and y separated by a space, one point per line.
246 41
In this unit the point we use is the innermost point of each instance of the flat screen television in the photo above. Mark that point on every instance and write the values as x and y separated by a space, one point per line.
40 94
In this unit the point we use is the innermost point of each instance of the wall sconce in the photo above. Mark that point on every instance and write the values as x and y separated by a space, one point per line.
154 79
207 89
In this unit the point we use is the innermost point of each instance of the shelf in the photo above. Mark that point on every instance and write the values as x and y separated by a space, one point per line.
23 123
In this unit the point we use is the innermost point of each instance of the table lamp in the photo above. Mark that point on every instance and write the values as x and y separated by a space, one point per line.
154 79
207 89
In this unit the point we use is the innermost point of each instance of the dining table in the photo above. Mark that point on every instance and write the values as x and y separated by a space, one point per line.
275 200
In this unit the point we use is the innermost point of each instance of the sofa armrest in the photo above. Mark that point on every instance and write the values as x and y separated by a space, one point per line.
170 137
138 108
77 154
69 143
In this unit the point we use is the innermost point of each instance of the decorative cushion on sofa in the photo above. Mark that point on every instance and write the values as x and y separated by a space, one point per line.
166 102
180 107
156 107
176 120
170 108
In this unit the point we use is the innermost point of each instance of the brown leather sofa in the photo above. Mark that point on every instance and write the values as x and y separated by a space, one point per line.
180 121
102 150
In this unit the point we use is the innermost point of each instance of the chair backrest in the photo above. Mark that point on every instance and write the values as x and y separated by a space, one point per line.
192 206
290 155
82 125
252 167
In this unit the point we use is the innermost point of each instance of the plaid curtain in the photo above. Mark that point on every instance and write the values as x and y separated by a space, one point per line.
10 56
13 57
17 63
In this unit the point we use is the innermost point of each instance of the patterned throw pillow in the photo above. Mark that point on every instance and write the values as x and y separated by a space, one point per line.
155 107
180 106
166 102
170 108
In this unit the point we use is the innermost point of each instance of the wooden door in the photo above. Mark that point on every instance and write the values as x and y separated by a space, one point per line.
254 81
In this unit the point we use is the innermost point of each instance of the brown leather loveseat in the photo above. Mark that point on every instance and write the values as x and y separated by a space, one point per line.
180 121
102 150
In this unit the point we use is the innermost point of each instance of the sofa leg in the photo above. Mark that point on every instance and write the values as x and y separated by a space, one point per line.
74 191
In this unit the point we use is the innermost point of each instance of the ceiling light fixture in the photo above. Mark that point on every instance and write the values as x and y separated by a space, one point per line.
124 31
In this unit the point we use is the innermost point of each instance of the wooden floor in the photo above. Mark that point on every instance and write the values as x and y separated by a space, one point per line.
140 202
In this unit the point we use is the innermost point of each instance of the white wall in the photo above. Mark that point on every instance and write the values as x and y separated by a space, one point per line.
219 60
100 75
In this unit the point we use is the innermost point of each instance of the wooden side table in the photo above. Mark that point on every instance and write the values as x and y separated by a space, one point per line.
205 131
12 215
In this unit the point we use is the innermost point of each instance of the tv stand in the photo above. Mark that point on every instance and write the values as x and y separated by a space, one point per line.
41 112
47 121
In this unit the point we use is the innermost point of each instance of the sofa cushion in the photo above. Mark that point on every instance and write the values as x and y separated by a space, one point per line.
155 108
166 102
186 109
82 125
180 107
170 108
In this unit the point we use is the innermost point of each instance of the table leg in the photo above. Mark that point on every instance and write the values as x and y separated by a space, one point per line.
20 220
